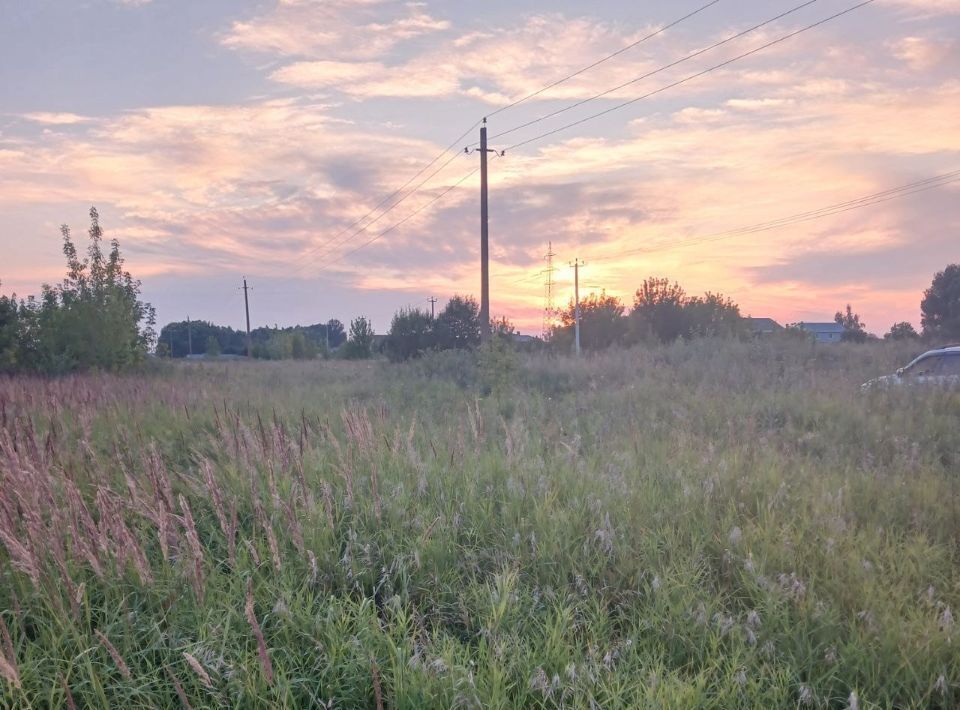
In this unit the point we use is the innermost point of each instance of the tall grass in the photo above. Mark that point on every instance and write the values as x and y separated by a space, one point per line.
712 524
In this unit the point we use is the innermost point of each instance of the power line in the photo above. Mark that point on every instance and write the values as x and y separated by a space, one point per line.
690 78
404 220
828 211
589 118
662 69
336 240
798 218
607 58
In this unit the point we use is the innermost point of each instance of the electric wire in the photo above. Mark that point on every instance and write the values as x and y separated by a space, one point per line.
383 214
403 221
336 240
798 218
660 70
690 78
321 249
605 59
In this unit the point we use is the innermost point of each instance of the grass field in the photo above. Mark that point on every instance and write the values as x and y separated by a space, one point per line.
701 525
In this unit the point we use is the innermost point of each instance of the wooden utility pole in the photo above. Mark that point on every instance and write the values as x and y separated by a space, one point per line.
576 300
484 240
246 305
484 235
433 302
189 338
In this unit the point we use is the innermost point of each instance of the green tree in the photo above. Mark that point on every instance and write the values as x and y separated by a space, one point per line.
338 335
658 311
502 327
298 345
713 315
411 334
10 333
94 319
602 322
360 343
902 331
855 330
213 347
940 308
458 324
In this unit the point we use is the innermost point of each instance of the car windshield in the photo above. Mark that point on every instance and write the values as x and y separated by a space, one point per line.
949 365
937 364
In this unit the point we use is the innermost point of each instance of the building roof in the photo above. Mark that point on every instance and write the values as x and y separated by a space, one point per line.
764 324
821 327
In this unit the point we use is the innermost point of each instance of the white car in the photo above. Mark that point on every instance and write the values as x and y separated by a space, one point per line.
938 368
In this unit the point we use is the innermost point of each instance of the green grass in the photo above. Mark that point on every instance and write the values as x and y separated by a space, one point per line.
704 525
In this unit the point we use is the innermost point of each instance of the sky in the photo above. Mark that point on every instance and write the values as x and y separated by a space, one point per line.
226 139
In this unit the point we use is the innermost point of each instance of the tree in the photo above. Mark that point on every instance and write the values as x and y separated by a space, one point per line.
213 347
602 322
411 334
360 343
502 327
458 325
9 333
338 335
940 308
94 319
901 331
298 345
855 330
658 311
713 315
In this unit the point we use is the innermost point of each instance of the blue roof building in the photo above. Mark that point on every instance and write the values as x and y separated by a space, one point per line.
823 332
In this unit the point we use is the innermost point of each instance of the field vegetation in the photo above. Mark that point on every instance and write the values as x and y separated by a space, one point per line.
709 523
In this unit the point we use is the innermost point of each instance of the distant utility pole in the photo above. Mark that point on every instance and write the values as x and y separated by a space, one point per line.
576 299
433 302
548 293
189 338
246 305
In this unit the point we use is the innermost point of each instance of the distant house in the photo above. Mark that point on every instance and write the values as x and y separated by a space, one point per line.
521 339
823 332
764 326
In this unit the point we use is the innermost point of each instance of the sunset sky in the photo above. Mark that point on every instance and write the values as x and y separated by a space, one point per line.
226 138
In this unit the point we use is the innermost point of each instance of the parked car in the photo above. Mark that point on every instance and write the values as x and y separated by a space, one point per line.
937 368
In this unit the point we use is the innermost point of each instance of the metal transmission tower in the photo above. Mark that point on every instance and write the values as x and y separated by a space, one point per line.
548 307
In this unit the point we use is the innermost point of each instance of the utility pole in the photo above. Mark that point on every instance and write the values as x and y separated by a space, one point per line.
246 305
484 235
189 338
326 334
484 240
433 302
576 299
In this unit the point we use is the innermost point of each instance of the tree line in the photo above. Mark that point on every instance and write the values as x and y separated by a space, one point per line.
200 337
96 319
